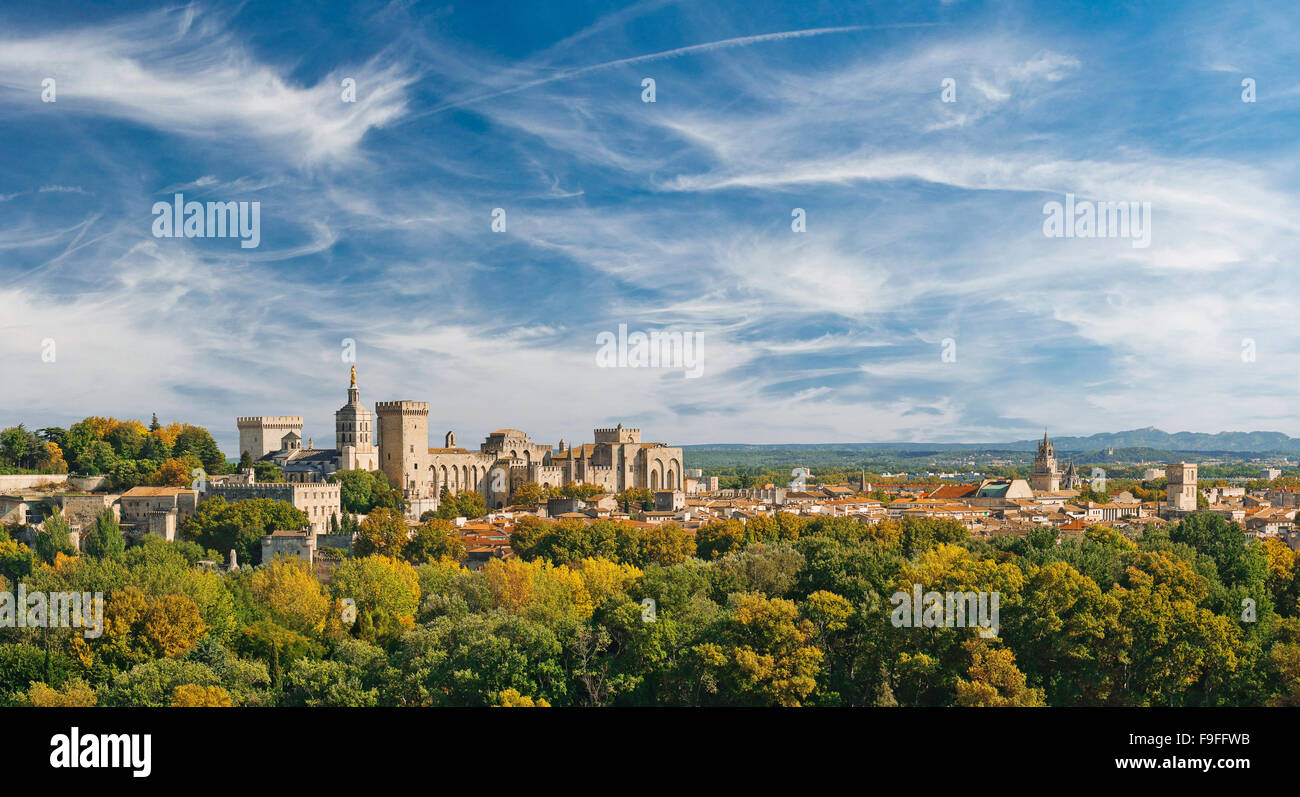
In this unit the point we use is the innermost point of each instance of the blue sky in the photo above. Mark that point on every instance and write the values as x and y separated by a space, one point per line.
924 218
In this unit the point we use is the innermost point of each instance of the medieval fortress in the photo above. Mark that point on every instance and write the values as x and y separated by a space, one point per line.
395 439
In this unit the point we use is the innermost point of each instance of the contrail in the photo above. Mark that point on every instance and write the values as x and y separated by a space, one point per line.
740 41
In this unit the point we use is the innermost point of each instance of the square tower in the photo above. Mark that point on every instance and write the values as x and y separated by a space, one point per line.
404 445
261 435
1180 488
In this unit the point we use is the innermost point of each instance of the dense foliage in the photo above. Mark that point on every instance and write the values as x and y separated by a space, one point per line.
779 611
127 452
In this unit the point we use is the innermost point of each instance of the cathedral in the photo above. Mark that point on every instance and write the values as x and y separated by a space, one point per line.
1046 476
278 440
395 439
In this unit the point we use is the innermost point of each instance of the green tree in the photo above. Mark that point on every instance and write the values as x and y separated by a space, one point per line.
765 655
469 660
198 441
222 525
432 541
581 490
527 494
466 503
105 538
54 538
665 544
636 498
384 532
362 491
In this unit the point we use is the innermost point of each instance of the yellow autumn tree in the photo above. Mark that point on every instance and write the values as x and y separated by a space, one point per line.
53 461
128 425
994 679
537 589
169 433
510 582
510 698
175 472
139 627
603 578
100 426
770 656
385 588
290 591
1281 580
952 568
75 694
194 696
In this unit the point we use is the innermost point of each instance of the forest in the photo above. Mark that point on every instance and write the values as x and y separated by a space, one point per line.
780 611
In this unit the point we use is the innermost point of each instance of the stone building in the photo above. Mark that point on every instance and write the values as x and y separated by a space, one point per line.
1046 476
618 460
354 442
669 500
1180 489
298 544
263 435
320 500
81 510
157 510
354 430
395 440
1072 480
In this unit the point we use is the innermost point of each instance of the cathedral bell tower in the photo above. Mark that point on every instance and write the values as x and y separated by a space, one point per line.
1046 475
354 432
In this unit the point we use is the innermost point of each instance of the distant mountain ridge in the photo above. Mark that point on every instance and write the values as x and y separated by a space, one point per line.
1148 438
1151 437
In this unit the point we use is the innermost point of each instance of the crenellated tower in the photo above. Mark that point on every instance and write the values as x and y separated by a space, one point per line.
404 445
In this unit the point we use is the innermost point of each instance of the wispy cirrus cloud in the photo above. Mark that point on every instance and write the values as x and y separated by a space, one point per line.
183 71
923 219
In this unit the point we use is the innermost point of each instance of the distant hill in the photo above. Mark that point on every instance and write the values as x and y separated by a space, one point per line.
1151 437
1138 445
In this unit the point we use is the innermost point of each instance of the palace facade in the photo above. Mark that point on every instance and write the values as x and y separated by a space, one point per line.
395 440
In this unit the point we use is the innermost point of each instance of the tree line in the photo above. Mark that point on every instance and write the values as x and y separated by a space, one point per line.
780 611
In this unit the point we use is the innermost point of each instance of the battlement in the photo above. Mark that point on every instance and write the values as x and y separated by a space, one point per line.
619 434
404 407
260 435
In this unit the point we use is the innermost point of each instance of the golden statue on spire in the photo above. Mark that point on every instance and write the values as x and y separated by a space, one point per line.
354 376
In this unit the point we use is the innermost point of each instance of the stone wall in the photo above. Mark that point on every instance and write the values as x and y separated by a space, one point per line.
88 483
11 482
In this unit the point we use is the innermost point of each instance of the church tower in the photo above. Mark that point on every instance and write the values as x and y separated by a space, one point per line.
1072 479
354 432
1180 490
1046 476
